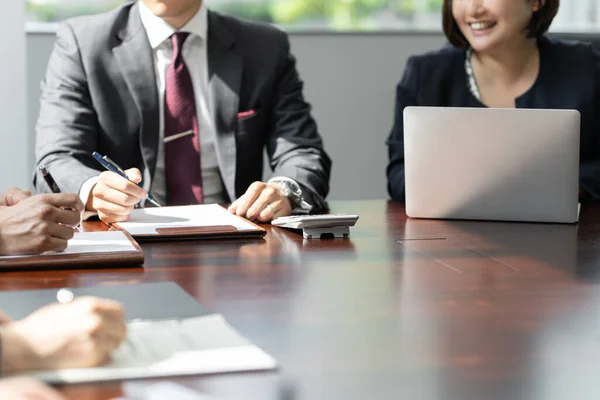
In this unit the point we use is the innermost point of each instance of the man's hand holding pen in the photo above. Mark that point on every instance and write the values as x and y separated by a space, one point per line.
115 197
54 188
36 224
39 223
117 191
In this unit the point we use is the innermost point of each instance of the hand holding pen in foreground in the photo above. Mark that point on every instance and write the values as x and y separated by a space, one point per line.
78 334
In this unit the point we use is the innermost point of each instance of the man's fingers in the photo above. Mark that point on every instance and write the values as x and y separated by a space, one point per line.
111 329
280 208
246 201
268 196
50 243
67 217
110 218
110 212
134 175
110 335
233 207
106 310
115 196
100 305
62 200
15 195
270 212
121 184
60 231
108 207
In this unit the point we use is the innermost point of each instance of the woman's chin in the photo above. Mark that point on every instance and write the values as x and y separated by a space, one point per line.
483 45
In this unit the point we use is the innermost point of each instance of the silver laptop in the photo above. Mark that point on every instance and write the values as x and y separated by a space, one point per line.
492 164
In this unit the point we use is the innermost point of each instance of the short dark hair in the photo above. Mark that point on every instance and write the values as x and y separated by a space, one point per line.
539 24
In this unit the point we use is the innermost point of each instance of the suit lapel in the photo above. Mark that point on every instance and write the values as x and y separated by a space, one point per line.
224 82
135 59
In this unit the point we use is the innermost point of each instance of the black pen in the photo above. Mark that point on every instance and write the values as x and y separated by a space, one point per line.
52 184
49 179
113 167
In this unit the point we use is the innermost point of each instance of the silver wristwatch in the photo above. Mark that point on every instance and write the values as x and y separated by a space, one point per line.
291 190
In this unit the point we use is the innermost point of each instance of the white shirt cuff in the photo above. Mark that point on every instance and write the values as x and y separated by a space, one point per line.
84 195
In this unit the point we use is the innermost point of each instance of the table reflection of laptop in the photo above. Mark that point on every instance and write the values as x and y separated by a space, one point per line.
520 247
492 164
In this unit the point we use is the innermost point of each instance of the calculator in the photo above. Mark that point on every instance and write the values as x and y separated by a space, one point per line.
315 221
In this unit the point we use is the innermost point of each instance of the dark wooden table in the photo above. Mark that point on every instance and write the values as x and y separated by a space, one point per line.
405 309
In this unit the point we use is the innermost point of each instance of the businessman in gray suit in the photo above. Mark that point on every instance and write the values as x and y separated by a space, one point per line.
186 98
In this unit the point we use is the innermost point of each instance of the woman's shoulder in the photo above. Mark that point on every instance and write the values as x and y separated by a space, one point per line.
573 51
446 58
436 77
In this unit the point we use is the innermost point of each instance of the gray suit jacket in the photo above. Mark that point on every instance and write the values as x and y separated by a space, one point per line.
100 94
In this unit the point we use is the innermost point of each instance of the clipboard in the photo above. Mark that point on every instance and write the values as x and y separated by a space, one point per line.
204 221
140 300
205 343
105 254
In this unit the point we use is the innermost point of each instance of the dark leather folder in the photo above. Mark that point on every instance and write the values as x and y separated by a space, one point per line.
146 301
79 260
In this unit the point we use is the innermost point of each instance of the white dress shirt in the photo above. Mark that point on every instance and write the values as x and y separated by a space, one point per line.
195 57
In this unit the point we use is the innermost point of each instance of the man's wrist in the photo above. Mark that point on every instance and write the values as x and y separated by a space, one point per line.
284 193
289 189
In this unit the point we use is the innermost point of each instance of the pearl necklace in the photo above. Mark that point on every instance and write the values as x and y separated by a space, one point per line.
471 82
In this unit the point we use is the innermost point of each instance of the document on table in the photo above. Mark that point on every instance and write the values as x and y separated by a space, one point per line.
139 390
162 348
98 242
92 242
146 221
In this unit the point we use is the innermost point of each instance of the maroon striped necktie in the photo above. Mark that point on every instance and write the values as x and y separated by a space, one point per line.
182 154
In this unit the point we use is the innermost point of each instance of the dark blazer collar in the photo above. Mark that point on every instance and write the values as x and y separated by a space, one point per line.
225 66
136 62
133 26
218 30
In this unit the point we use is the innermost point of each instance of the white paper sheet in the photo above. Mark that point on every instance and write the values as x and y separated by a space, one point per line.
160 391
93 242
190 346
145 221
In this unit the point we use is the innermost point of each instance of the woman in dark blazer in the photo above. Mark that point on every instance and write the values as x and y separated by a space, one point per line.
500 58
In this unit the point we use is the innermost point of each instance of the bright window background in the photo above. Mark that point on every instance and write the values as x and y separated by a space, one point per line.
336 15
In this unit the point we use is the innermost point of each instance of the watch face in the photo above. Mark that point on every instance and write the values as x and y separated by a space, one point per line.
286 190
295 189
291 191
290 188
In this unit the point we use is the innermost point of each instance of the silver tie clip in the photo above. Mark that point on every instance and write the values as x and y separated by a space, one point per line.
177 136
